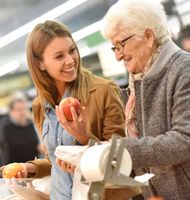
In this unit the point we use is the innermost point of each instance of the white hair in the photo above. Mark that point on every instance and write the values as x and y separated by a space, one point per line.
135 16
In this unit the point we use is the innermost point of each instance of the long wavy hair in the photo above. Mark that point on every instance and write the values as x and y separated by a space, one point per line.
38 40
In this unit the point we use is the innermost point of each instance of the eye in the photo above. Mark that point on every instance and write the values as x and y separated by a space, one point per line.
58 57
72 50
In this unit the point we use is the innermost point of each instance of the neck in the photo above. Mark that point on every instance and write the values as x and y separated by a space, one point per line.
61 89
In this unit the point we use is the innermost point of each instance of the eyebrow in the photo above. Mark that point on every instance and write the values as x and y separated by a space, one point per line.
113 48
127 38
58 52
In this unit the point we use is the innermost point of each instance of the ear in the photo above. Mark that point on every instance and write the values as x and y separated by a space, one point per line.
150 36
42 68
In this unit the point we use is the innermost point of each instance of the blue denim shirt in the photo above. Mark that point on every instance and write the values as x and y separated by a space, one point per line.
54 135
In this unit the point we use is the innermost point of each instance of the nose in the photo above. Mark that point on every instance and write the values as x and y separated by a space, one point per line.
68 59
119 56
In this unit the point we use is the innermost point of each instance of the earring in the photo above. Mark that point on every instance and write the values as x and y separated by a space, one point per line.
42 68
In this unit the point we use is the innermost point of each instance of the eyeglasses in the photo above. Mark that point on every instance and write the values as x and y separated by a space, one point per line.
120 45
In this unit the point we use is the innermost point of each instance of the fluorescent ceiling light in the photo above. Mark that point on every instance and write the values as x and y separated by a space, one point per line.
9 67
52 14
87 30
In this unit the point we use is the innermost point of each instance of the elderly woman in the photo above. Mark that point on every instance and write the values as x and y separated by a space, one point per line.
157 111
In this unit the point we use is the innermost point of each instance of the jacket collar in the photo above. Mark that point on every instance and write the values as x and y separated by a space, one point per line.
159 64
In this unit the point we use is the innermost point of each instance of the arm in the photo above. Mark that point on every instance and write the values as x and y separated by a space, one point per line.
42 166
172 147
114 117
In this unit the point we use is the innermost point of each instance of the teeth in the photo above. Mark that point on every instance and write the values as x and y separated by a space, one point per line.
68 70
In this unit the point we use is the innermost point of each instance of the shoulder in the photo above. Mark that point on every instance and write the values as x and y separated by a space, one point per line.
105 89
180 66
5 121
100 82
180 60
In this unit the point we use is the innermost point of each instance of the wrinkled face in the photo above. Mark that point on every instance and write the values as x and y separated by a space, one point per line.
134 50
20 112
61 60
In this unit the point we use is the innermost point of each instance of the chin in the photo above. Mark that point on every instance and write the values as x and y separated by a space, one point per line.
131 70
71 79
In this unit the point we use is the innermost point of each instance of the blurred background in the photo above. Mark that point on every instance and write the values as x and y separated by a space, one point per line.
83 17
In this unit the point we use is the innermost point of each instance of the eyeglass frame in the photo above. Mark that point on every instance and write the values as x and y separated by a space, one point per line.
122 43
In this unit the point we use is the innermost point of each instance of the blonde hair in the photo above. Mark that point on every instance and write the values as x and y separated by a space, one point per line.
38 40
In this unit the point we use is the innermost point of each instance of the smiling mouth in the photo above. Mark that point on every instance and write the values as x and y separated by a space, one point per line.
68 70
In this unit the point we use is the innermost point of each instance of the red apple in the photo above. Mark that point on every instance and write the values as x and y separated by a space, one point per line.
11 170
66 105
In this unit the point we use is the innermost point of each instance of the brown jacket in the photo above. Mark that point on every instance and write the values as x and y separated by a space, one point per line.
105 118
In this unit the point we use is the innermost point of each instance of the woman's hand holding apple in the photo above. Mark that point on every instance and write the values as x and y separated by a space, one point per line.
76 127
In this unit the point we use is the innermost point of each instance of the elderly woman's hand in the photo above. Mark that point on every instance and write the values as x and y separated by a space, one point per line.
77 127
66 166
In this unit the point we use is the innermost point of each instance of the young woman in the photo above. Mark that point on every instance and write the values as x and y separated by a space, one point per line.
57 72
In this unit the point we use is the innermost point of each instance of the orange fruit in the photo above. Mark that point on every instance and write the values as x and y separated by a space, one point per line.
11 170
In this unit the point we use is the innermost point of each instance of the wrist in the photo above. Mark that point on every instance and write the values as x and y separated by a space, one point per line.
31 168
86 139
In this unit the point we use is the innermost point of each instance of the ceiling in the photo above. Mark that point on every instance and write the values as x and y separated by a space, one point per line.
15 13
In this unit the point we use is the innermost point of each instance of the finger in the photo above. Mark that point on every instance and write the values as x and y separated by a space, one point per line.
72 169
64 165
74 114
58 161
84 114
68 165
19 175
61 164
24 172
61 115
